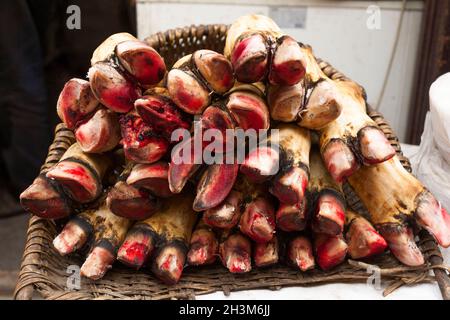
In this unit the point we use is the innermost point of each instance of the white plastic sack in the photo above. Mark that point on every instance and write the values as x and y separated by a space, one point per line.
431 164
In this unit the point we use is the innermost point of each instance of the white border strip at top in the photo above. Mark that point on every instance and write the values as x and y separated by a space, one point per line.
411 5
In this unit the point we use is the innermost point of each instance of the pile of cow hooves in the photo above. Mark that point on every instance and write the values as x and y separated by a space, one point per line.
136 186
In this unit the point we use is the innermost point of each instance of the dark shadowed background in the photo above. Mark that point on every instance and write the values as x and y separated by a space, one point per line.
38 54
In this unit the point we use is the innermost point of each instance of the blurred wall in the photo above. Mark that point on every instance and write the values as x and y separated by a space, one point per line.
341 32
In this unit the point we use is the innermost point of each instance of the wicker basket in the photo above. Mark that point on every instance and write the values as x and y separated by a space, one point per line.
45 272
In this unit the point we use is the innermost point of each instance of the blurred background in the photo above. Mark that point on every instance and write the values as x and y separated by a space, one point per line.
395 49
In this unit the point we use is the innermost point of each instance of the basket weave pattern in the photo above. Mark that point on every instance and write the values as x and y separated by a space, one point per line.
45 272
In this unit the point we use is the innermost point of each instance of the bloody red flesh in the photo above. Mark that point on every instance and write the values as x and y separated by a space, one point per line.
249 110
187 92
266 253
249 59
329 214
161 114
339 160
203 248
100 133
78 180
183 165
140 142
218 120
363 240
215 185
141 61
169 263
76 102
136 248
288 66
111 88
152 177
261 164
330 250
290 186
235 253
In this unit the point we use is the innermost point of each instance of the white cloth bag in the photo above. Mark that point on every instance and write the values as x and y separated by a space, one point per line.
431 163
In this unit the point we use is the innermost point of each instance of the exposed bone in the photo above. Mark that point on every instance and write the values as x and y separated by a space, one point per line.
138 246
204 246
300 253
329 214
227 214
261 163
169 263
258 220
235 253
160 113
